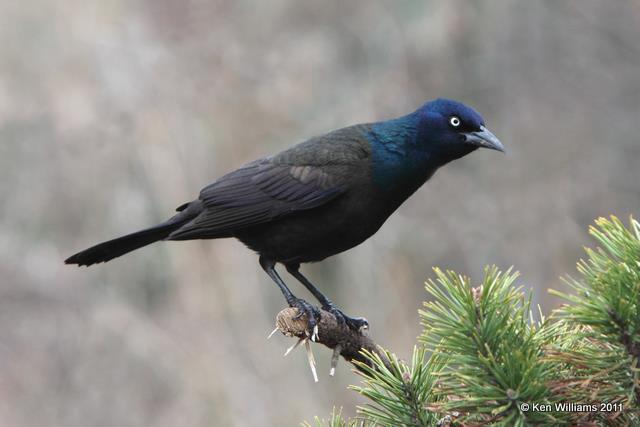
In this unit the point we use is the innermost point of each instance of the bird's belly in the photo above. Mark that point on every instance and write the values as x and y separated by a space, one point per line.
313 235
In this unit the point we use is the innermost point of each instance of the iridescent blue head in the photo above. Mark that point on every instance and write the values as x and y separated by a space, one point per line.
450 127
411 148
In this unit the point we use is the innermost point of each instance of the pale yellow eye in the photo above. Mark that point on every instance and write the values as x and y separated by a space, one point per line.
454 121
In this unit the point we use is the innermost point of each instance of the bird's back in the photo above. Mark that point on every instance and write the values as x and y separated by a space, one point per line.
299 179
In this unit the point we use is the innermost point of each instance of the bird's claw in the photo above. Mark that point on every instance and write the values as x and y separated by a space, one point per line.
354 323
358 324
312 313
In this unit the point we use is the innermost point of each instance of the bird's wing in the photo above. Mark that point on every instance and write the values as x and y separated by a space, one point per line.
303 177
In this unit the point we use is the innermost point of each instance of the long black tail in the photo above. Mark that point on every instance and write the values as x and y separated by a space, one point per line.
111 249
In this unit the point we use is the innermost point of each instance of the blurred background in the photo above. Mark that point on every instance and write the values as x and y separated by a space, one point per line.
114 113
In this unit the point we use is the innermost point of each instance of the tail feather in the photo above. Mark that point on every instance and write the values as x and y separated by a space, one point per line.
111 249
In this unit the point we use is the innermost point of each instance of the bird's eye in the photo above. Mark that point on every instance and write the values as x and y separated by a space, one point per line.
454 121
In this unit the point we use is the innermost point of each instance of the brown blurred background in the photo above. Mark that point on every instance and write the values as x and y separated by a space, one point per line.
114 113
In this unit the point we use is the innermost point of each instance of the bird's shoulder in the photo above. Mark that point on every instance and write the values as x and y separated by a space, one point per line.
314 170
303 177
323 162
345 146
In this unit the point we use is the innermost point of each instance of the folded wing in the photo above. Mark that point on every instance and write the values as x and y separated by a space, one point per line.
259 192
303 177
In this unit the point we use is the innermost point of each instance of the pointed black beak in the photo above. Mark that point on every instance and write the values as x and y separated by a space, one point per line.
484 138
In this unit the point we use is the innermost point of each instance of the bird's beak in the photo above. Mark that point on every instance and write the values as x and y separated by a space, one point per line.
484 138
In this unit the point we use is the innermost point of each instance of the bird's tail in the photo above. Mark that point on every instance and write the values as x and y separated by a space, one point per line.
111 249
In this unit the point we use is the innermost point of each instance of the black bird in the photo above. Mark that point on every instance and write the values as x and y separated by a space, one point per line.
320 197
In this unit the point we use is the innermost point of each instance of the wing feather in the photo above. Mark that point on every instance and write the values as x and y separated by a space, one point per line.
303 177
242 200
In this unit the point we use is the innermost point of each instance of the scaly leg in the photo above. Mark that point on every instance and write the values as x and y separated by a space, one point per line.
354 323
303 307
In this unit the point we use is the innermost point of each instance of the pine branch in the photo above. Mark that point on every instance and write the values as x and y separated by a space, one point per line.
607 302
488 357
399 393
491 350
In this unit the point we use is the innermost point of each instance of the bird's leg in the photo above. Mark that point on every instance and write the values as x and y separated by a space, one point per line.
303 307
354 323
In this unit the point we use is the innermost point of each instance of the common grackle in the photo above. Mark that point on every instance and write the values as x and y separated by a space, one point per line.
320 197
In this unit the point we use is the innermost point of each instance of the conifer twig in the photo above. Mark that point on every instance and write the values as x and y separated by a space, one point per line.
337 336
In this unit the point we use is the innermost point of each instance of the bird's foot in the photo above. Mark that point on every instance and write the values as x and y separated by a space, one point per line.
357 324
312 313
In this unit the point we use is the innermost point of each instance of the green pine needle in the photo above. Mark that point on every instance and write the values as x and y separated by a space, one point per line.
482 355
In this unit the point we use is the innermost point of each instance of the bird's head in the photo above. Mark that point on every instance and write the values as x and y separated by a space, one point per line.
408 150
453 128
